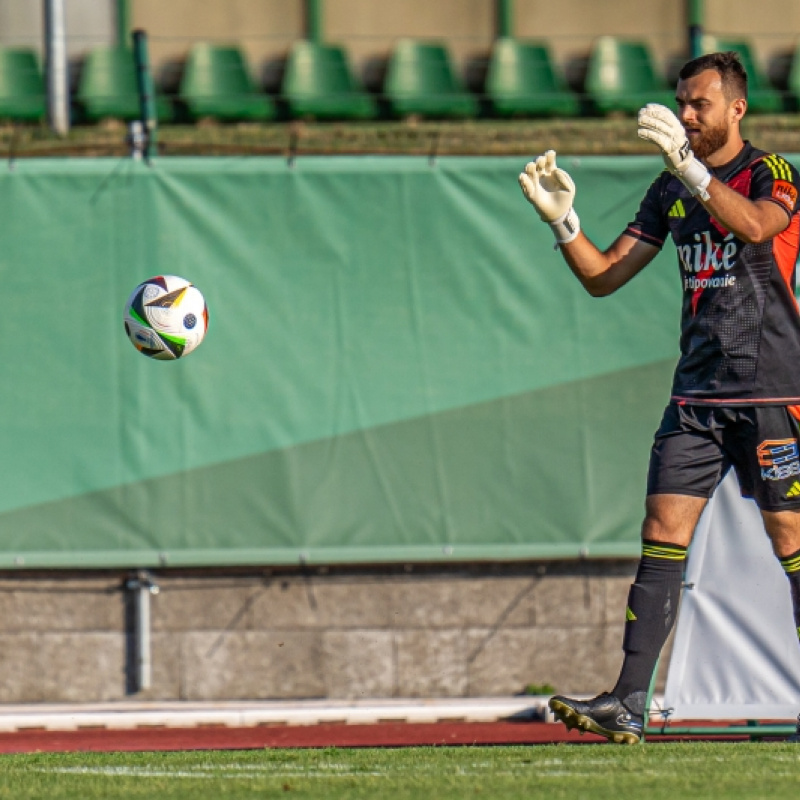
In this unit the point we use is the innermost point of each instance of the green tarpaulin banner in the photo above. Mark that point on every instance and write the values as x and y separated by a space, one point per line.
398 366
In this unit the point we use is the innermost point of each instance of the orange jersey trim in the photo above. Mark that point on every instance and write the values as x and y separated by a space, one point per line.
785 247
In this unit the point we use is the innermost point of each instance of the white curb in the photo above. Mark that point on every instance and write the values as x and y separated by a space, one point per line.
244 714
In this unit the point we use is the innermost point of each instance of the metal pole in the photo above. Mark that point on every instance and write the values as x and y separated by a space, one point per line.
147 97
694 13
505 17
143 585
55 34
314 20
123 23
144 661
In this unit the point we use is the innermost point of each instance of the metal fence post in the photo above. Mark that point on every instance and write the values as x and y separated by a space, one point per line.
147 97
123 22
505 17
695 20
55 35
314 20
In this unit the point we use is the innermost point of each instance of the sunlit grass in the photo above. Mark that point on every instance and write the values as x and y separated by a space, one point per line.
670 771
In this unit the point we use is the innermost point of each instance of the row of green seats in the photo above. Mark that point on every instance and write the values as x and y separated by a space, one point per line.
22 92
216 82
521 80
761 97
622 76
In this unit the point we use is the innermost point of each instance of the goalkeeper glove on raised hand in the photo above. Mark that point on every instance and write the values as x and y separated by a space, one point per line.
659 125
551 192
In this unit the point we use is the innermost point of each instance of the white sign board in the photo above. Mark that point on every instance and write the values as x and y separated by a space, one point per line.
736 653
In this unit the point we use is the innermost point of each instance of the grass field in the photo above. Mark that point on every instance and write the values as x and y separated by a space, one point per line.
694 770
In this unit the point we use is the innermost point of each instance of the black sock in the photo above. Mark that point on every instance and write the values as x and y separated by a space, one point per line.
791 566
649 617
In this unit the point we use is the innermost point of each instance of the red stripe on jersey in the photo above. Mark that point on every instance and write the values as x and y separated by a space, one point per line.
785 247
706 272
682 400
643 236
740 183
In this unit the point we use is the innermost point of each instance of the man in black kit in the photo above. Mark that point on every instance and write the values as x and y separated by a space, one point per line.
732 211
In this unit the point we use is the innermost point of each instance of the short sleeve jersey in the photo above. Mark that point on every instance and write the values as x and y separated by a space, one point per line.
740 326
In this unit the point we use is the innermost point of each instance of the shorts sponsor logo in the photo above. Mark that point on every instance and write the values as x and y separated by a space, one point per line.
786 193
778 459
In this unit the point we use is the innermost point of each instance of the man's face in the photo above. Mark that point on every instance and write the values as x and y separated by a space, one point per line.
705 112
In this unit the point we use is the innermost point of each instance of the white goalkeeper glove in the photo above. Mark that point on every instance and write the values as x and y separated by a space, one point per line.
551 192
659 125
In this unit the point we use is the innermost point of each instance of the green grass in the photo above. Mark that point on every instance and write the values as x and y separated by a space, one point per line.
671 771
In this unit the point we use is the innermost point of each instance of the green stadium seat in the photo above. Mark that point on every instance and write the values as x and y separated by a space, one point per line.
621 77
522 81
318 83
216 83
420 81
23 96
108 87
793 79
761 97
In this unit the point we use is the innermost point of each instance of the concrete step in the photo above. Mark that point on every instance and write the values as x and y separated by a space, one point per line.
244 714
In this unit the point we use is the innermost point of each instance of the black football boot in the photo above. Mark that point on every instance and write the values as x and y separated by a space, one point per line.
605 714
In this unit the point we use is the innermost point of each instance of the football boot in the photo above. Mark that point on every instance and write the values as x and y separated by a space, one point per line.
604 715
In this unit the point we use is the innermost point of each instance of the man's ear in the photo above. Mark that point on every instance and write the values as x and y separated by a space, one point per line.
738 109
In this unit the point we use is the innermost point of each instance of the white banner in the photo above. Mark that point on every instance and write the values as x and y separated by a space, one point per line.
736 653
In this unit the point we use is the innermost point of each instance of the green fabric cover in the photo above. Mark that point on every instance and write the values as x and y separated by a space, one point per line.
398 365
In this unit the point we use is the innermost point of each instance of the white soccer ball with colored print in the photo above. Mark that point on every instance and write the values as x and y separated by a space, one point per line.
166 317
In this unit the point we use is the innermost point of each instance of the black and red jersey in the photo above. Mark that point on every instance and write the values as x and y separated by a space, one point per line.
740 326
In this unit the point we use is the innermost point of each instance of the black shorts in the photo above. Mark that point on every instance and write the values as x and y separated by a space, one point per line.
695 446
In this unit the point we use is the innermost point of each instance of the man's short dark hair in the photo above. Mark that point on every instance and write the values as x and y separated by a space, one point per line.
729 67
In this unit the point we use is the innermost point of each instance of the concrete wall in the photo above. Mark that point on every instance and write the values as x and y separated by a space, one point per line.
264 29
368 28
88 22
401 632
772 26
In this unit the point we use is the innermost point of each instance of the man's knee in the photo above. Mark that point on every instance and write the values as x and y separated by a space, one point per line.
672 518
783 528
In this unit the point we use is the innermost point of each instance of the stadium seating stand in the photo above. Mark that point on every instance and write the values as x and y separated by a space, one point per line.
318 83
420 81
521 80
761 97
108 88
22 91
216 83
621 77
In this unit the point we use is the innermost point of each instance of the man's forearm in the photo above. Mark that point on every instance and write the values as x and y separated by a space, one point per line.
749 221
602 272
588 264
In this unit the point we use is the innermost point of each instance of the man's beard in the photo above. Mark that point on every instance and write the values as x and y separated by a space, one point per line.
711 140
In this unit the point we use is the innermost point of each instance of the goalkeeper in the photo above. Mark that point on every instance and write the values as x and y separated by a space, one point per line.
732 211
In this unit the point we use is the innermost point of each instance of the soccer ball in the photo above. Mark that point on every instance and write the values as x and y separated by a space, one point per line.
166 317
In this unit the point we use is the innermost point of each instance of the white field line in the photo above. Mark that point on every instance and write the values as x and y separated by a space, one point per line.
555 768
547 768
284 774
137 772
